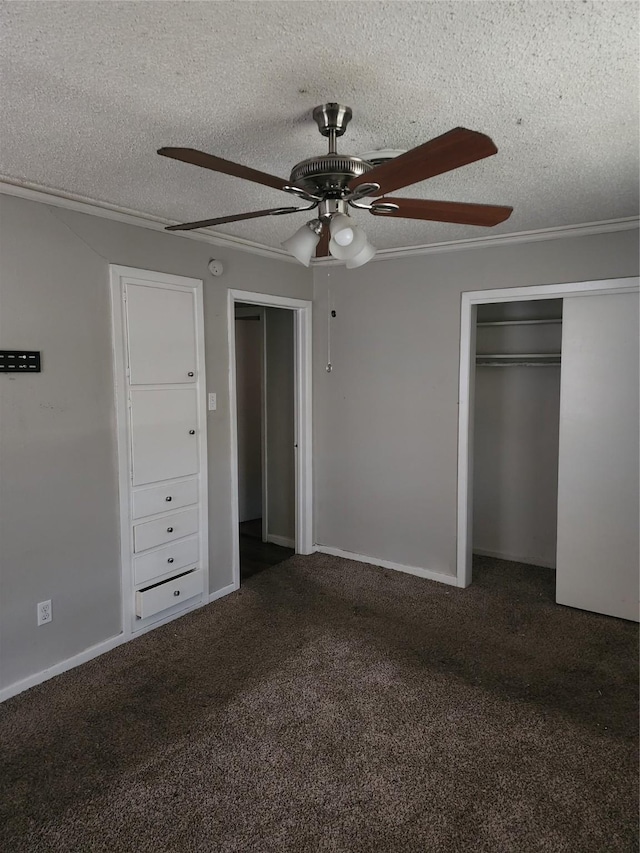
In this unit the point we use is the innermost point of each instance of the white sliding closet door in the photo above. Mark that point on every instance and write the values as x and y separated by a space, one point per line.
597 556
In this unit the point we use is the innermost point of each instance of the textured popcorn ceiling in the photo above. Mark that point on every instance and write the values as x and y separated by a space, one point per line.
90 90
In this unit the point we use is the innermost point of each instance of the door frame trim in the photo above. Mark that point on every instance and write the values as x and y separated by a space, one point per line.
466 389
264 427
303 430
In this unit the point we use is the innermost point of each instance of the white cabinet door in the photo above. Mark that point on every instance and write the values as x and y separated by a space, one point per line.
161 335
164 439
597 558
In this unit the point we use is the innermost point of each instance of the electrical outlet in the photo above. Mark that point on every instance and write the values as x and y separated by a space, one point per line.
213 402
44 612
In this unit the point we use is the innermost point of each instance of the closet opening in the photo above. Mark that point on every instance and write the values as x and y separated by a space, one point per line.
266 436
516 423
270 399
595 546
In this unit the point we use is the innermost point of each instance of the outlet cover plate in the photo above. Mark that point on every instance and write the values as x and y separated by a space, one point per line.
44 612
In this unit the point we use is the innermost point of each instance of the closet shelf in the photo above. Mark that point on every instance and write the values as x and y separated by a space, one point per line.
527 359
550 321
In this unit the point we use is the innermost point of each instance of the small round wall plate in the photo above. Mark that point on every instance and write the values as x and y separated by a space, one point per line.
215 267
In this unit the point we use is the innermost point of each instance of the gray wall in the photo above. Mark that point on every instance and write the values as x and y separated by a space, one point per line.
385 418
58 503
280 423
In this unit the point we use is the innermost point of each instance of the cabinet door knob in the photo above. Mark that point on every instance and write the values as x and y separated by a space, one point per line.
192 432
168 498
169 529
190 373
170 560
176 592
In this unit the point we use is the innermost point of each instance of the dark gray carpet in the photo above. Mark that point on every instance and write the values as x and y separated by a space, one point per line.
333 706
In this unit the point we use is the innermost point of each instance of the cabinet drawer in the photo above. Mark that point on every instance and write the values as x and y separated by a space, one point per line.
166 529
163 595
166 559
163 498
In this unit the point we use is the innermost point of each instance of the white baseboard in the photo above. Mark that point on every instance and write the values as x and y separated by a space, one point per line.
281 540
451 580
220 593
63 666
101 648
514 558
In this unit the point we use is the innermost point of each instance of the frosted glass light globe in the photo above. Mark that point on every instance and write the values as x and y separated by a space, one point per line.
344 237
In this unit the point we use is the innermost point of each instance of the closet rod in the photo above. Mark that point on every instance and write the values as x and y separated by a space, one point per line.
518 364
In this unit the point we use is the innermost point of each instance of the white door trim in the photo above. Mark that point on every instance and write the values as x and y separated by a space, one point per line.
263 428
470 300
303 378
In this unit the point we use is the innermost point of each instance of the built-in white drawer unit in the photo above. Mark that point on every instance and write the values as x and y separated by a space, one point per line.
166 529
163 498
164 595
167 559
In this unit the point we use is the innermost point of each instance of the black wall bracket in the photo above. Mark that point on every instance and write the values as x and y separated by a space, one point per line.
19 361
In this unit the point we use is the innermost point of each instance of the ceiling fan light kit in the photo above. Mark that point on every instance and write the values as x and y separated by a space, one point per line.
333 182
364 256
345 251
340 229
302 244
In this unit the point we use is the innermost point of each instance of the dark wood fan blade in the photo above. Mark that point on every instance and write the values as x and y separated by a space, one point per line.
205 223
447 211
227 167
449 151
322 249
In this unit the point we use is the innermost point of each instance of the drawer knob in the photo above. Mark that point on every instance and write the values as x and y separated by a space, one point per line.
192 432
176 592
170 560
190 373
169 529
168 498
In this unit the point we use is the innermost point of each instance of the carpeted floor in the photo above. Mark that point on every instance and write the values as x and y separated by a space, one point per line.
334 706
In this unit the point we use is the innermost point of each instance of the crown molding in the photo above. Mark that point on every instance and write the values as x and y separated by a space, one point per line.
70 201
586 229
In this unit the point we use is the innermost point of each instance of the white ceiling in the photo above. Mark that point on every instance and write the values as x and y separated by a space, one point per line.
92 89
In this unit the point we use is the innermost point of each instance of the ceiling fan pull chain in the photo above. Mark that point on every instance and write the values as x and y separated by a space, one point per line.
330 314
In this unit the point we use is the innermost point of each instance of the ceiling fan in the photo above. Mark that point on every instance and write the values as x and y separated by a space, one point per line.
334 182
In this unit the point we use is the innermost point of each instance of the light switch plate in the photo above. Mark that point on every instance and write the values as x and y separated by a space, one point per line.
213 402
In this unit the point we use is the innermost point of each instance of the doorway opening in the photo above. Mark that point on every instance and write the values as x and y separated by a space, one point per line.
270 398
266 452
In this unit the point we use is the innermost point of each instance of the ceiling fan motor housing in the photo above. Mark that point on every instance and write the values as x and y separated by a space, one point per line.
328 174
